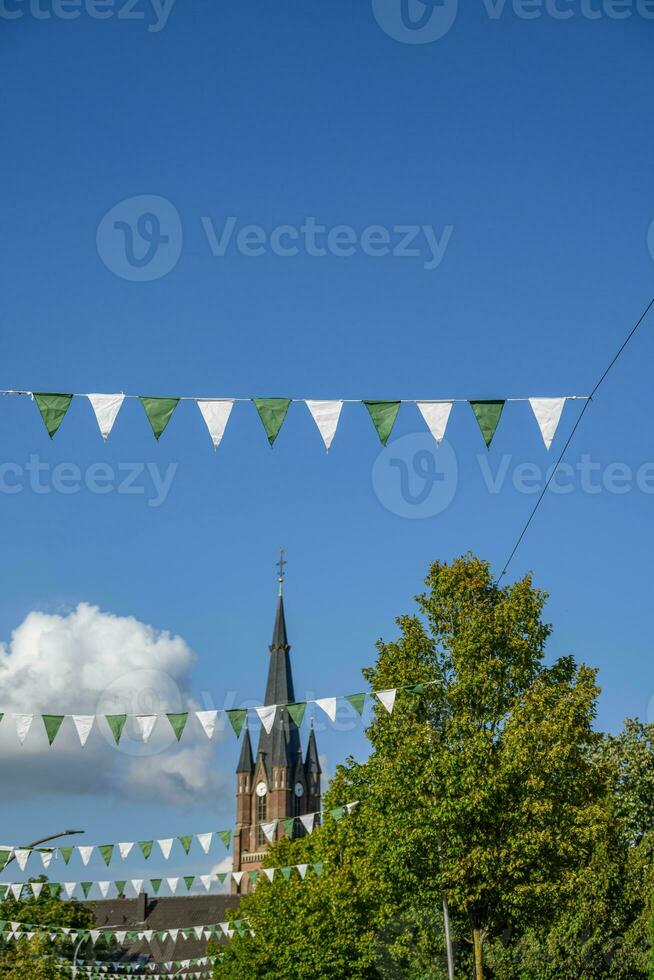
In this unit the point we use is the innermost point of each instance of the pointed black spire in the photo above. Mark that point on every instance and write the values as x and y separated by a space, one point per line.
246 762
312 763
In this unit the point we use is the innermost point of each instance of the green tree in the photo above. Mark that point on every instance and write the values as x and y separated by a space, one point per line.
483 788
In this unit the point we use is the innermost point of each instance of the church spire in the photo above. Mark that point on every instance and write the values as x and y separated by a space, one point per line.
246 762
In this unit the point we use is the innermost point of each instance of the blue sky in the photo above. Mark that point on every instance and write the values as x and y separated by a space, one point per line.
529 139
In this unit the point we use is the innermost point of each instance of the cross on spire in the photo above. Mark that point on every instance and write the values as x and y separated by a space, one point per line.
280 565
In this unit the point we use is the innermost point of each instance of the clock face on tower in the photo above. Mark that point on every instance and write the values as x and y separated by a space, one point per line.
262 789
299 789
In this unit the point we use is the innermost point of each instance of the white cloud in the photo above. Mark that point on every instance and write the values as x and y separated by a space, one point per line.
89 662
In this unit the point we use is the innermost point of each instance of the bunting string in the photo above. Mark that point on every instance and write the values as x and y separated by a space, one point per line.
272 412
26 930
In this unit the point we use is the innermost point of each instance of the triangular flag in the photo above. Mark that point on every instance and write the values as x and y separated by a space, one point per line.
83 725
237 718
237 875
104 888
37 888
66 853
106 852
436 415
286 873
86 887
488 415
116 724
166 847
85 852
172 884
146 848
53 408
387 698
156 884
125 849
548 414
272 412
22 855
186 842
226 837
269 873
206 881
159 412
326 416
204 840
318 868
208 721
383 415
52 725
178 722
145 725
46 857
296 711
23 725
216 415
189 881
357 701
120 887
267 716
289 826
69 888
328 705
337 813
302 869
137 885
106 408
307 821
269 829
17 891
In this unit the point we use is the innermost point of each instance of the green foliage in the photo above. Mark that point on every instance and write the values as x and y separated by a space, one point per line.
29 960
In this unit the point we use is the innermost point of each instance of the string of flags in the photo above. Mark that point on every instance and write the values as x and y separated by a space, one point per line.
144 725
25 891
98 970
308 821
27 930
216 412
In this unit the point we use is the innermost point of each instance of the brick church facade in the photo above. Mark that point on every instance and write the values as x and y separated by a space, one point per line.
280 780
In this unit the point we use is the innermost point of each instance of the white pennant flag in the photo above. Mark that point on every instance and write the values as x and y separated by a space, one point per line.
37 888
83 725
387 698
85 854
104 888
436 415
237 875
22 854
144 725
548 414
208 721
148 934
204 840
302 869
350 806
95 935
106 408
69 888
326 416
269 873
267 715
173 933
16 891
216 415
46 858
166 847
206 881
137 885
120 936
328 705
172 884
269 829
307 821
23 725
198 930
125 849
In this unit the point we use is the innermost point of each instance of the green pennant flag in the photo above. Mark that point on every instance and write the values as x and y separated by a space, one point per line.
160 934
107 852
54 888
86 887
52 407
415 689
357 701
159 412
337 813
226 837
488 415
296 711
146 848
186 842
318 868
286 873
178 722
120 888
221 876
156 884
4 857
237 718
66 853
116 724
288 825
108 936
188 881
383 415
132 937
52 725
253 875
272 412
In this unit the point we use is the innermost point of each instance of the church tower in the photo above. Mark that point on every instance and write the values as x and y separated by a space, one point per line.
279 782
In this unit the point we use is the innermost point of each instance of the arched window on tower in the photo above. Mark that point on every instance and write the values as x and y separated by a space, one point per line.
262 811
